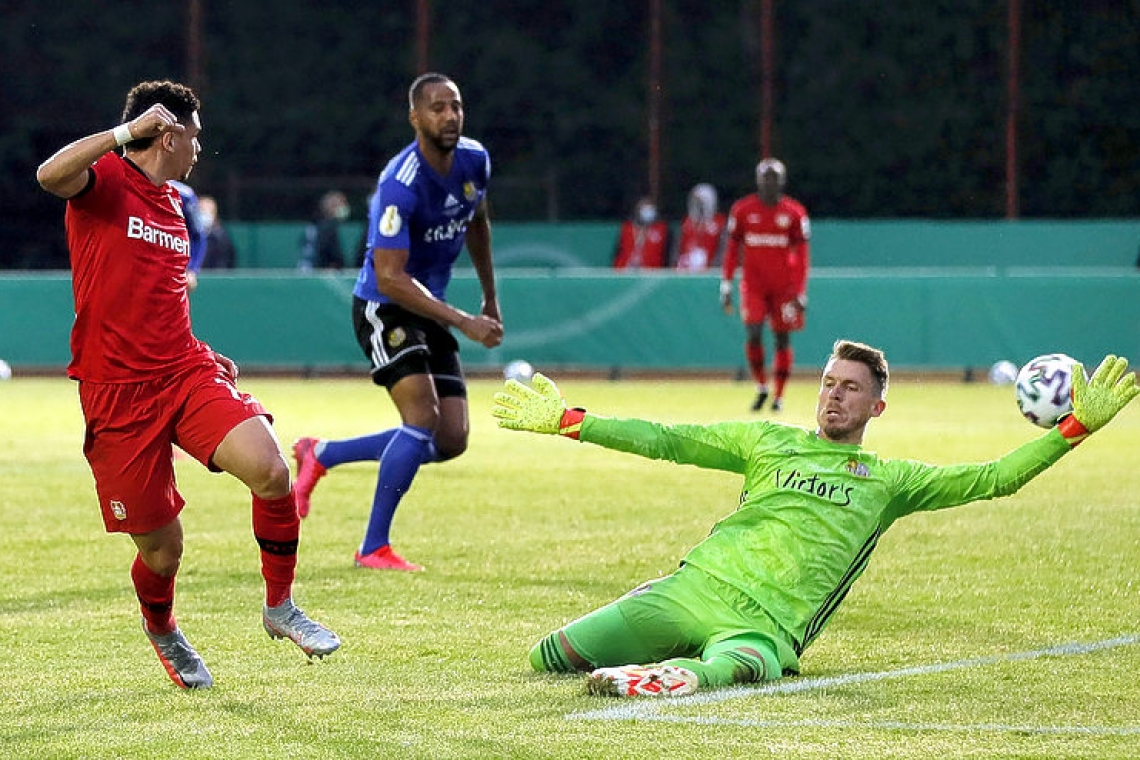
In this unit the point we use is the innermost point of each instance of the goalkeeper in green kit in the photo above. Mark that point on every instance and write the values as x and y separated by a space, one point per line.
752 596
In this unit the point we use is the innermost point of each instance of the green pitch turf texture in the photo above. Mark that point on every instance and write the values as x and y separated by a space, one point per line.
951 646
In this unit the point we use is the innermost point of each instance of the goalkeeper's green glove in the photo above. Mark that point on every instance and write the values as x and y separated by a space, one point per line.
538 408
1098 399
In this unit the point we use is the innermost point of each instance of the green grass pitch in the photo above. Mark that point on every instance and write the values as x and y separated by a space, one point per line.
522 534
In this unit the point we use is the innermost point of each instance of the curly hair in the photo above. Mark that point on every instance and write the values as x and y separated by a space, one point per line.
178 98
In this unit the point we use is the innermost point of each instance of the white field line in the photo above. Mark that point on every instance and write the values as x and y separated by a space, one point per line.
651 709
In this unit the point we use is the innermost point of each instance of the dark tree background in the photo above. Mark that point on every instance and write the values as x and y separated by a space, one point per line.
882 109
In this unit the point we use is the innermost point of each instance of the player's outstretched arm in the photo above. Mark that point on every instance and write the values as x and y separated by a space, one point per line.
1096 400
538 408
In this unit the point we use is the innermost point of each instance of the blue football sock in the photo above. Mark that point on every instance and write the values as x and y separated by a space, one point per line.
366 448
400 460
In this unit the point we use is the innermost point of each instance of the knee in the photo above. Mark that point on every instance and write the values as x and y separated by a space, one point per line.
163 561
450 448
424 416
271 479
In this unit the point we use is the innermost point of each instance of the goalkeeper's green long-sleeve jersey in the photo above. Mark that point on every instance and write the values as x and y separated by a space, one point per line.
811 511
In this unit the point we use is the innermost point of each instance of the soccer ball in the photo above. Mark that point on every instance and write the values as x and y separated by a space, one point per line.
518 370
1044 389
1003 372
5 370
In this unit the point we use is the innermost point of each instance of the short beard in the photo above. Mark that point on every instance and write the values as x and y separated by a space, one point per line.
438 143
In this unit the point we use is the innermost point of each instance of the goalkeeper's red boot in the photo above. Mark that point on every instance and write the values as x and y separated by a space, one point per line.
386 559
309 471
638 681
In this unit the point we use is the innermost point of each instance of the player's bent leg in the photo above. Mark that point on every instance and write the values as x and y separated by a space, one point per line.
645 625
452 430
251 453
741 659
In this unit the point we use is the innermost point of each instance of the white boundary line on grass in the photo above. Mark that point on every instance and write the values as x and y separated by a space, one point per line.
651 709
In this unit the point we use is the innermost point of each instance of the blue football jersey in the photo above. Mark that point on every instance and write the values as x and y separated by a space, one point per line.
416 209
194 226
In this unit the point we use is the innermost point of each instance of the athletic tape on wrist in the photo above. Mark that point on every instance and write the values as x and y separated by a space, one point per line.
122 134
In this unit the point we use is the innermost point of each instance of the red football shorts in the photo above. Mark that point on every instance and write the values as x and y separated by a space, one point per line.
133 427
779 308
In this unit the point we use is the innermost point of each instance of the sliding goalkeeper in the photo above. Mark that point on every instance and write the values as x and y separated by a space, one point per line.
749 599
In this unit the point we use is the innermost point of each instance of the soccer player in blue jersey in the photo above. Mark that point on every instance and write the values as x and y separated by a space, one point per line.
196 229
748 599
431 199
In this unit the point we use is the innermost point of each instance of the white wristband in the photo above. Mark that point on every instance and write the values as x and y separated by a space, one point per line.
122 134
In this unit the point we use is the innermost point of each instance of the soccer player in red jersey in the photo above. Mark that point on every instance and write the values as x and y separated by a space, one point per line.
146 383
702 231
768 236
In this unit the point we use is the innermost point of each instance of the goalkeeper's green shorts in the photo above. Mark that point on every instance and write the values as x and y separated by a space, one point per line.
686 614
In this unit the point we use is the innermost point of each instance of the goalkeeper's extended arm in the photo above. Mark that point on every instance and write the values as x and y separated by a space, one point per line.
1098 399
538 408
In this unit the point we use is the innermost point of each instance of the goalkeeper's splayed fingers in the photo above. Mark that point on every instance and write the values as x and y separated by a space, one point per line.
1098 399
538 408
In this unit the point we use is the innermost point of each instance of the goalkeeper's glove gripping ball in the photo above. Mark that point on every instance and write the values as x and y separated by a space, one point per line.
538 408
1096 400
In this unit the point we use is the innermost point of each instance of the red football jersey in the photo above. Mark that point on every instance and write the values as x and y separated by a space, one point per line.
642 247
700 243
129 249
770 243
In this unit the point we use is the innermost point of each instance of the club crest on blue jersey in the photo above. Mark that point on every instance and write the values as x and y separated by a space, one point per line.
390 222
469 191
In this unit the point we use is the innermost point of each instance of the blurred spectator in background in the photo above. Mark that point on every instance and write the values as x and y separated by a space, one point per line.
643 241
320 246
768 234
190 212
702 231
220 253
362 241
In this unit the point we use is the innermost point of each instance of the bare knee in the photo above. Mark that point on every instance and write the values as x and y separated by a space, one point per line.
163 562
450 449
271 478
161 550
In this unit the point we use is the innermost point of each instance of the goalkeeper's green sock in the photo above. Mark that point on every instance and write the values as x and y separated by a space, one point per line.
548 656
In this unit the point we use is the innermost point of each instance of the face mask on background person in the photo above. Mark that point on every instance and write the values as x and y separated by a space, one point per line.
646 214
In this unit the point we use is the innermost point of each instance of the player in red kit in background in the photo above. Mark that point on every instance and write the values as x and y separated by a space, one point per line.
643 240
702 231
146 383
768 236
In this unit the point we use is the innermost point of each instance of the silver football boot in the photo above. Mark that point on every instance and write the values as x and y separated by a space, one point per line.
288 621
182 663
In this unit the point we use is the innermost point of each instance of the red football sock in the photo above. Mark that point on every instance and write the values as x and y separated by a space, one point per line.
156 597
277 528
782 369
754 352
